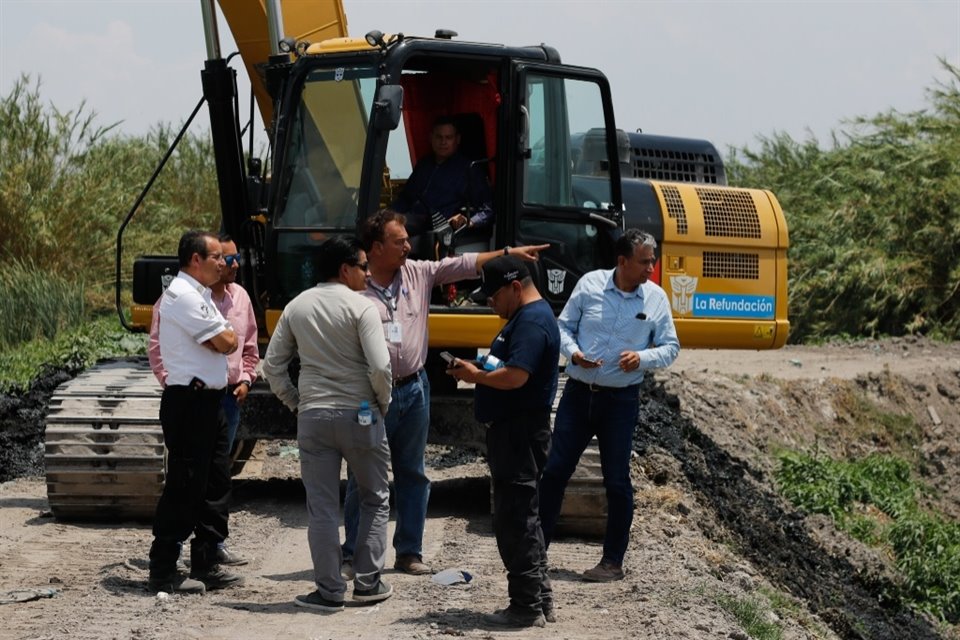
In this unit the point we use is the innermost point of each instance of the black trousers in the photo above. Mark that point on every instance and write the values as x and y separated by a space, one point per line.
196 495
517 452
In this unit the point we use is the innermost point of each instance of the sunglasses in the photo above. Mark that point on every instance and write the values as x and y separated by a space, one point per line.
231 259
363 266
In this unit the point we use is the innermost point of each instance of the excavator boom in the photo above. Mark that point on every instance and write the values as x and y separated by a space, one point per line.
303 20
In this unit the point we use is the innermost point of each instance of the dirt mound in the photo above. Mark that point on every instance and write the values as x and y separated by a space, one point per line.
22 413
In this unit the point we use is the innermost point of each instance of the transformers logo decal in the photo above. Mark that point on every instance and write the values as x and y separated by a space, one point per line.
681 293
555 280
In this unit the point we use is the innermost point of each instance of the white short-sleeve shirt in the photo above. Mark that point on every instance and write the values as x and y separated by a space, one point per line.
188 318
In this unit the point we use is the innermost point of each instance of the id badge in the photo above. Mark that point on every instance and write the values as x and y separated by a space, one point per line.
393 332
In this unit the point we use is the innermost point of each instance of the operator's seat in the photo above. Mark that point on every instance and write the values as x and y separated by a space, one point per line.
473 142
473 146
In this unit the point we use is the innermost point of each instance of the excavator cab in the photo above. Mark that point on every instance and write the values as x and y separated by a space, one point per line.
516 111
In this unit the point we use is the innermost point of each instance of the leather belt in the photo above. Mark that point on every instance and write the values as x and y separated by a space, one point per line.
405 380
596 387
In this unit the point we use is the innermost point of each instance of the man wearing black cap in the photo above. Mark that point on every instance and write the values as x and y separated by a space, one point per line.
515 400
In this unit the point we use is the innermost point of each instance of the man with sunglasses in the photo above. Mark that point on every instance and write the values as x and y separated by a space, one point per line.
344 366
233 303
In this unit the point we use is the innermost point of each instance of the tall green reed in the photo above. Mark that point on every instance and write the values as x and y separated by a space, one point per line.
36 303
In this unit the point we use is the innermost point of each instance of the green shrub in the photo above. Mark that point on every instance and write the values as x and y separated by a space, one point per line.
66 184
78 347
926 547
751 614
873 220
928 554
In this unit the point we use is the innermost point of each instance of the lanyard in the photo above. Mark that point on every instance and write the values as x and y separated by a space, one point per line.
389 296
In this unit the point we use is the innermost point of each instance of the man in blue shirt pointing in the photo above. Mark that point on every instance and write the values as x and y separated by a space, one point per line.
615 326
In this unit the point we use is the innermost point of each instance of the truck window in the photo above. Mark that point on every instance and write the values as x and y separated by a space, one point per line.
560 109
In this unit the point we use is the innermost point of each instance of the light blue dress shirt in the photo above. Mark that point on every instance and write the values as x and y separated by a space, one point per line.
601 321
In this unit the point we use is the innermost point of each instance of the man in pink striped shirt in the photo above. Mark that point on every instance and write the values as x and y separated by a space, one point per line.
234 304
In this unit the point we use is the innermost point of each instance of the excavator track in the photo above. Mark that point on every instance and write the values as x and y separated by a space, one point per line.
104 449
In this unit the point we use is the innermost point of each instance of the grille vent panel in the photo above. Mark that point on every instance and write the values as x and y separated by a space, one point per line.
729 213
736 266
674 166
675 208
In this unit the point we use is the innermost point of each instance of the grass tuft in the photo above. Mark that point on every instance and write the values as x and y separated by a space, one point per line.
752 615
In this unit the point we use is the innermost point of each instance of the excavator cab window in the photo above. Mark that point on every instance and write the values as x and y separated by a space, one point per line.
565 198
320 171
559 110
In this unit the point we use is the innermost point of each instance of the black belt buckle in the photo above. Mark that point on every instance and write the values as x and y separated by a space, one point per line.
591 387
405 380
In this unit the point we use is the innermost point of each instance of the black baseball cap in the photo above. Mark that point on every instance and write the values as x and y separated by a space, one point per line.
501 271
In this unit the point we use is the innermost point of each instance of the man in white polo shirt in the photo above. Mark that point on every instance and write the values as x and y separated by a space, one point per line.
194 341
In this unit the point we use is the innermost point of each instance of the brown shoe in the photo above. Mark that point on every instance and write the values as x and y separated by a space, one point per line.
413 565
605 571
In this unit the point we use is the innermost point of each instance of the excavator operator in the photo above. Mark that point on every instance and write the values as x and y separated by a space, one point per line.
446 183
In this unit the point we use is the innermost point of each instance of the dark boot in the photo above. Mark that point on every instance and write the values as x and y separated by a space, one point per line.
511 618
204 567
175 583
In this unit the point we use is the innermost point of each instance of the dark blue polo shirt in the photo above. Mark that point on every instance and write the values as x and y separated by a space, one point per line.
531 341
444 188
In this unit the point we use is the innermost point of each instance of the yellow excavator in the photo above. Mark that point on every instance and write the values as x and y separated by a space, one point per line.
347 118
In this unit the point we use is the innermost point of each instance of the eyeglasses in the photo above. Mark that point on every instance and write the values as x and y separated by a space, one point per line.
363 266
231 259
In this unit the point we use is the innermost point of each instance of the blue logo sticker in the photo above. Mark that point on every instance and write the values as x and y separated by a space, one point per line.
717 305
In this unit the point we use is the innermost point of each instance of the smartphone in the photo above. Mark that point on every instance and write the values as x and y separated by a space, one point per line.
447 357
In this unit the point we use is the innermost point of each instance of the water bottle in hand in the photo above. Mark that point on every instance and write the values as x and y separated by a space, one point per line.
490 362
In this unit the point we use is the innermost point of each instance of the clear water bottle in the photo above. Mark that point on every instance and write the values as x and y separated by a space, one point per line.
365 415
490 362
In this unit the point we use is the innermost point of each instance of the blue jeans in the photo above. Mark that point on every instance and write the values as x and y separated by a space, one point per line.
407 423
611 416
231 412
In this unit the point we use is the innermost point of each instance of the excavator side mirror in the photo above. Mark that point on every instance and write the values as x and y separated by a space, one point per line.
386 110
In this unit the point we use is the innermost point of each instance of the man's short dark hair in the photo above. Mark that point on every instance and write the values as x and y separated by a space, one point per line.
441 121
191 242
371 229
225 237
627 244
333 253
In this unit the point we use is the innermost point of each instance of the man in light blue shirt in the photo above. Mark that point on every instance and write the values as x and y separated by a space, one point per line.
615 326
